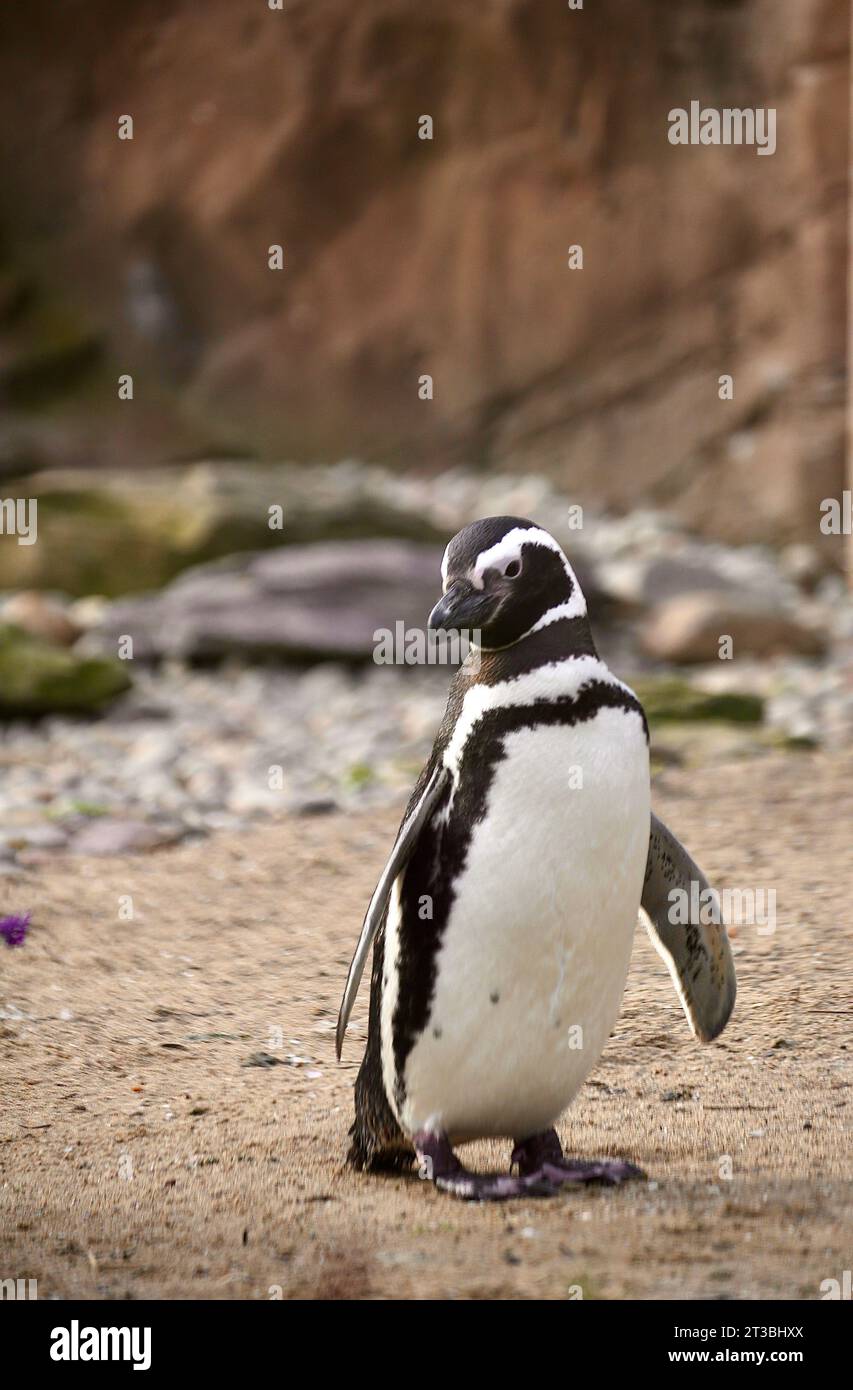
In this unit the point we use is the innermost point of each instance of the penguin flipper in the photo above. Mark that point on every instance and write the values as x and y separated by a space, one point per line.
697 953
400 855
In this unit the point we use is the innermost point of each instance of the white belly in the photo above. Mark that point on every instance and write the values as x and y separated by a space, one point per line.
534 956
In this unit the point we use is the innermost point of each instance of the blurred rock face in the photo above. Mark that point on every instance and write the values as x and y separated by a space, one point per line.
449 257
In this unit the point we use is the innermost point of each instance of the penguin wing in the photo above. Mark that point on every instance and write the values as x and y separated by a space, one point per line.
697 953
405 843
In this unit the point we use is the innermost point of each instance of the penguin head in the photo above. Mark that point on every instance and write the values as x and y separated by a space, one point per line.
505 578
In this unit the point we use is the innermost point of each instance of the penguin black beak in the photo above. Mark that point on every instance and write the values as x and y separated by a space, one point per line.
463 608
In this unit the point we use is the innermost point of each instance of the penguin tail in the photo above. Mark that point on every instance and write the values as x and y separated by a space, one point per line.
368 1158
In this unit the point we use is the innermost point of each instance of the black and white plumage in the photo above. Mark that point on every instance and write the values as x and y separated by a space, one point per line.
503 923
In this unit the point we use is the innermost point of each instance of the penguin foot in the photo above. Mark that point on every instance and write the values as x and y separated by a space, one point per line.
541 1157
542 1170
438 1164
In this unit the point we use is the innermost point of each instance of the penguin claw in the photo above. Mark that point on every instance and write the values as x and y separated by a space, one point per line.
611 1171
494 1187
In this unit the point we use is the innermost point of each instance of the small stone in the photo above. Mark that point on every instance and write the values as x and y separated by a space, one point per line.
88 612
42 617
318 806
36 837
104 836
262 1059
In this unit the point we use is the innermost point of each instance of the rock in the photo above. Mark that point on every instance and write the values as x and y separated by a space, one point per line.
114 533
263 1059
671 700
646 580
643 576
362 564
38 679
302 602
687 630
41 616
104 836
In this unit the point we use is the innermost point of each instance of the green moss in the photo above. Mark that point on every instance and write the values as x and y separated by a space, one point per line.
796 743
359 775
92 809
669 699
98 542
37 678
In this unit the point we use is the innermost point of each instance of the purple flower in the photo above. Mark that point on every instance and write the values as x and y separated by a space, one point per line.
14 929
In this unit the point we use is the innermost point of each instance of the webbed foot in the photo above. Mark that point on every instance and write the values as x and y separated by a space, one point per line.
542 1170
541 1157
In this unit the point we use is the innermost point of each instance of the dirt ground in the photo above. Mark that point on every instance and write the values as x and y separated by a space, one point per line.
141 1155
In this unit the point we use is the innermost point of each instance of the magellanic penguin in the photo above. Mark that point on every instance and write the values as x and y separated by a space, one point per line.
503 921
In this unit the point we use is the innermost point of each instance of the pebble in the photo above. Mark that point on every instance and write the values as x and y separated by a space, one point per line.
41 616
109 836
33 837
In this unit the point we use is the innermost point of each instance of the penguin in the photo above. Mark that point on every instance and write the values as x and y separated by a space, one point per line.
503 921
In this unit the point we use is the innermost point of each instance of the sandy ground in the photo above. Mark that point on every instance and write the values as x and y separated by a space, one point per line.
140 1156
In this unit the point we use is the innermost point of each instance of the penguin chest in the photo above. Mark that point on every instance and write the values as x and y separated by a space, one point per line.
533 958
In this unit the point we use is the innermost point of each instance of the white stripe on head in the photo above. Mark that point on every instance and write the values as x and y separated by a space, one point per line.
444 563
508 548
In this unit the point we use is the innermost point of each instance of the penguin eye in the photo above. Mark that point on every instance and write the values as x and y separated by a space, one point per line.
513 569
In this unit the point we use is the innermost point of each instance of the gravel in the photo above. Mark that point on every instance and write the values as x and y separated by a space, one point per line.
201 750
